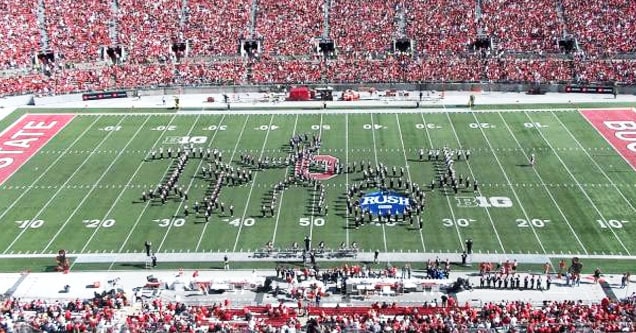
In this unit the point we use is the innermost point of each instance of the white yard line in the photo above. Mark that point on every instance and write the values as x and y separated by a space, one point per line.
205 227
347 175
472 174
282 193
178 210
450 205
313 205
544 186
87 195
579 186
523 210
408 170
61 155
134 227
249 195
596 163
60 189
375 154
118 196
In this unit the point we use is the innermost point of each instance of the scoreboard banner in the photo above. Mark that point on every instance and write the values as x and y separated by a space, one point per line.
104 95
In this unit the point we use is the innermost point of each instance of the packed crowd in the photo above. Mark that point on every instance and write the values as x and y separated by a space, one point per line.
288 27
527 25
104 313
441 26
362 33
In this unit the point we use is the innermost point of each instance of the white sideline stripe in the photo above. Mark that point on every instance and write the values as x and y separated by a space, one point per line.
205 227
134 227
178 210
81 203
408 171
375 155
545 187
580 187
249 195
121 193
472 174
60 189
282 193
596 163
514 192
51 165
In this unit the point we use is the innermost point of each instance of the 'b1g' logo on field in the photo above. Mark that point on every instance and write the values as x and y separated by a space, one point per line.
182 140
484 202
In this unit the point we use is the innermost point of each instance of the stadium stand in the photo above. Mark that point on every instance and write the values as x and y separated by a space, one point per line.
197 42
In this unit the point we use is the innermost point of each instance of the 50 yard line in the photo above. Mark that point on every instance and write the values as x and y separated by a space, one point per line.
375 154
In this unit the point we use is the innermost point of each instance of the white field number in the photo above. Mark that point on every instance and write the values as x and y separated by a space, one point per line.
306 221
216 128
496 202
536 223
318 127
425 126
96 223
111 128
31 224
534 125
481 125
164 223
374 126
248 222
165 128
457 222
612 224
267 127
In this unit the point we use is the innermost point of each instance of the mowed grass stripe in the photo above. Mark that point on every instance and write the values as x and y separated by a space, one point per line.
573 202
127 197
603 201
528 156
53 208
401 236
275 140
75 220
38 170
472 222
544 222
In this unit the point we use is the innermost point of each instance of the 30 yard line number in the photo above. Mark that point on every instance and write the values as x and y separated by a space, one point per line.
164 223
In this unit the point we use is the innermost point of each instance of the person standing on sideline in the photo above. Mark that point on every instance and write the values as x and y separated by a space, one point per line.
464 256
154 260
148 246
469 246
376 254
226 263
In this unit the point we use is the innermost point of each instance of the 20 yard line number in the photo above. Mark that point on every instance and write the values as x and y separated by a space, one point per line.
95 223
536 223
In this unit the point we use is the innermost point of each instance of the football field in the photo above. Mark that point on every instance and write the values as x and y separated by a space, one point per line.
82 189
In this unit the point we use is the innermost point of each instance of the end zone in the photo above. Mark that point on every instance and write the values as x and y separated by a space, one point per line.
25 137
618 127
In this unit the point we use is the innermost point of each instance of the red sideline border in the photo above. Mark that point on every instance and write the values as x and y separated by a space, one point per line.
29 152
618 145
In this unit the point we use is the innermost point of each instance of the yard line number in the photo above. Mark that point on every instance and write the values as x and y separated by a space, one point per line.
31 224
612 224
306 221
527 223
165 223
95 223
457 222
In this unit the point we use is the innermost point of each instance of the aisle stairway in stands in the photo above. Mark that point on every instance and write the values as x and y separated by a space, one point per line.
41 19
112 23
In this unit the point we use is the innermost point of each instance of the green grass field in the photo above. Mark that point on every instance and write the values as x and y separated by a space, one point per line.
81 192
